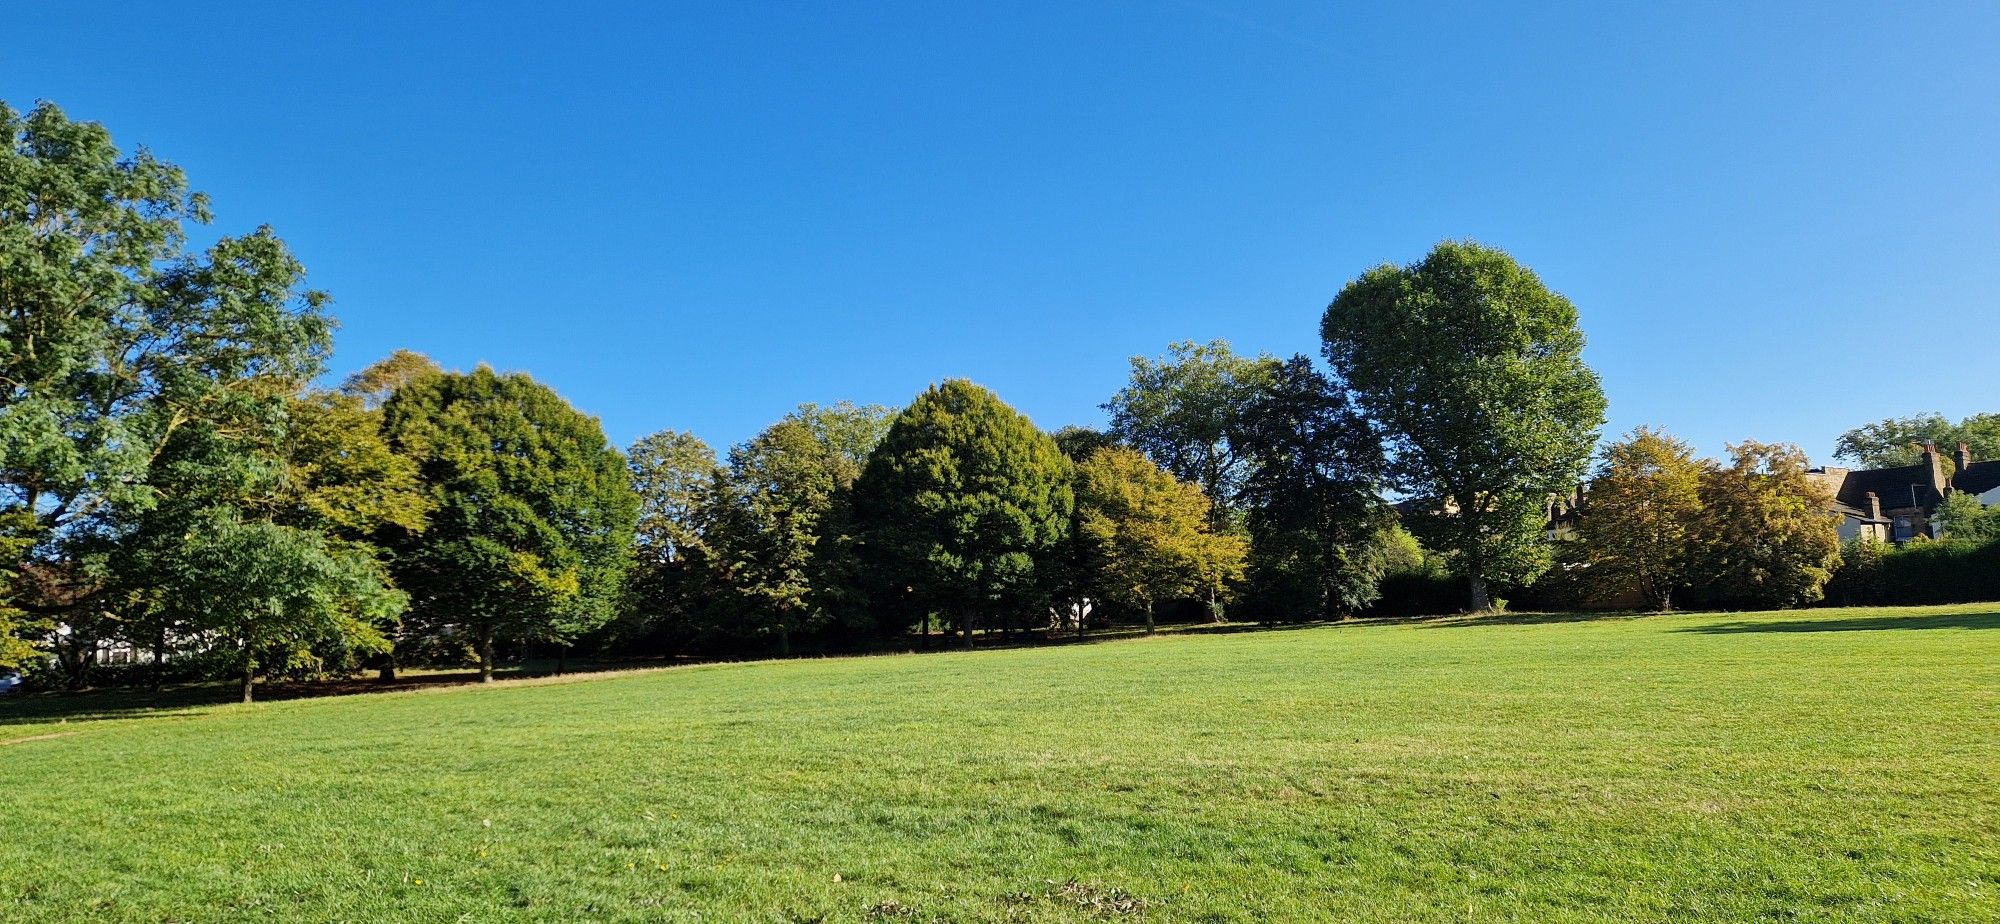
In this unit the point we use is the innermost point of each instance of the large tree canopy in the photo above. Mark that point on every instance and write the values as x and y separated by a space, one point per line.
1474 371
958 505
114 339
534 511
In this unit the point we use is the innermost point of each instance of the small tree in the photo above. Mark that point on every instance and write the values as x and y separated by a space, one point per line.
1474 370
959 505
1963 517
1767 534
531 536
1149 533
276 591
1641 520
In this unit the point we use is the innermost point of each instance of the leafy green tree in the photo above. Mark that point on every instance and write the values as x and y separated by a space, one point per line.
1962 516
1642 517
679 484
294 506
674 473
1149 533
118 341
534 511
848 430
1315 516
778 493
1474 371
275 591
17 628
1767 535
960 503
1898 441
342 480
1182 410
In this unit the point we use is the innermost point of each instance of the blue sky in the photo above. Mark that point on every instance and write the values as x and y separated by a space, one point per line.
1777 222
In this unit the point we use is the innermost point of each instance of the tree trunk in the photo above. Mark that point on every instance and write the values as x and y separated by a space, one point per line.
249 675
1149 617
562 658
1215 605
966 623
388 671
486 655
1080 617
1480 602
784 641
160 660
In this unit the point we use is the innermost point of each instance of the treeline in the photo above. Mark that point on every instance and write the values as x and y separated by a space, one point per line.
177 487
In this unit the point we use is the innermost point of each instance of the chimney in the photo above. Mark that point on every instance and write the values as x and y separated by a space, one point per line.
1963 458
1874 506
1936 466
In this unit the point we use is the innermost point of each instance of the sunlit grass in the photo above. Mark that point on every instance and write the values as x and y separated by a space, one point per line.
1836 765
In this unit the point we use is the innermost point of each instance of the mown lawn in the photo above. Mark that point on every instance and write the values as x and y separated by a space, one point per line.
1826 765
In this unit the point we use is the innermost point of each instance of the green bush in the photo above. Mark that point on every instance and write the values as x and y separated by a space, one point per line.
1946 571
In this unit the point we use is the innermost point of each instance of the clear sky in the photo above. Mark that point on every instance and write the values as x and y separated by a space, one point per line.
1778 221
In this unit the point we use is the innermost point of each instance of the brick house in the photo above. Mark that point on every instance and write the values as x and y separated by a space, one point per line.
1896 504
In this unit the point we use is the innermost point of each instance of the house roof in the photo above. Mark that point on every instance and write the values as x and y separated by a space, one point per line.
1857 513
1891 485
1978 478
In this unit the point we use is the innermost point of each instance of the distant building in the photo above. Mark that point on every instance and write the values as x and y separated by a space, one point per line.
1897 504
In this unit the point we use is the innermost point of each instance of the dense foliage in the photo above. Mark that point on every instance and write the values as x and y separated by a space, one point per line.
534 513
957 508
174 485
1641 527
1473 370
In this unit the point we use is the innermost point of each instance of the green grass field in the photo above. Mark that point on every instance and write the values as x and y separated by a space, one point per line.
1826 765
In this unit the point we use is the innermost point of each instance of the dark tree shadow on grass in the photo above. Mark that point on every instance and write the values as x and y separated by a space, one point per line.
60 707
1463 620
1853 624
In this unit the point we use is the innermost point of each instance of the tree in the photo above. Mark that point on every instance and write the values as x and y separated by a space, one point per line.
1898 441
1080 443
275 590
262 537
17 651
848 430
1641 520
776 498
115 341
1149 532
1474 371
375 384
1768 536
679 483
1962 516
343 481
958 506
534 511
1182 411
1315 516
